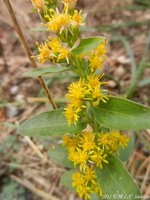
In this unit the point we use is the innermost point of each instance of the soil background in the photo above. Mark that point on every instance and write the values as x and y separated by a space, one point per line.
27 172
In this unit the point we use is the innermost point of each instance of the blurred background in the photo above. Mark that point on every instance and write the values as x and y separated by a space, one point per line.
27 172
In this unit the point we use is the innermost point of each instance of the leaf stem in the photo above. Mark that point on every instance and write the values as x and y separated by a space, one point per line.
28 50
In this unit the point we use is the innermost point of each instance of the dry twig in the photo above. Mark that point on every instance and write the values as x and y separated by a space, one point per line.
28 50
31 187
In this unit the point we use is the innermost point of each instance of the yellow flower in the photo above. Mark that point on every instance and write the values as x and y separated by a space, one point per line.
39 4
72 154
104 140
97 56
76 94
98 157
120 140
101 49
44 52
87 141
123 140
87 150
95 62
84 191
112 141
81 187
90 174
96 188
94 80
71 141
78 157
78 18
58 49
93 85
53 50
82 91
78 179
72 114
76 90
81 158
58 21
86 182
66 139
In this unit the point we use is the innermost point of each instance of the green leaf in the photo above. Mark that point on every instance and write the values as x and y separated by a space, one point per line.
60 155
87 44
66 179
45 70
49 123
122 114
116 182
125 153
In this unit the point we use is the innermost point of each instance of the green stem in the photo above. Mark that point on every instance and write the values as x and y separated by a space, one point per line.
77 67
93 124
138 73
134 82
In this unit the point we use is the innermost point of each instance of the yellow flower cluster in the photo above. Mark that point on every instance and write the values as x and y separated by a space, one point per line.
87 150
53 50
82 91
112 141
63 21
97 56
58 21
86 182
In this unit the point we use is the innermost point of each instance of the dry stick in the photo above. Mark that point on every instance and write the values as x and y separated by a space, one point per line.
145 178
28 50
32 188
34 147
33 63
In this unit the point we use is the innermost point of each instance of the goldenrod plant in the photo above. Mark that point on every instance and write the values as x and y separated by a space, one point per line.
91 125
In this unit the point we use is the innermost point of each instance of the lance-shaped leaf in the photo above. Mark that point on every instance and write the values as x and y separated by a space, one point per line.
87 44
122 114
49 123
60 155
116 182
45 70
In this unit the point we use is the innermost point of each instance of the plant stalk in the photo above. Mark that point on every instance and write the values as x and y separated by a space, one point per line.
134 82
28 50
138 72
